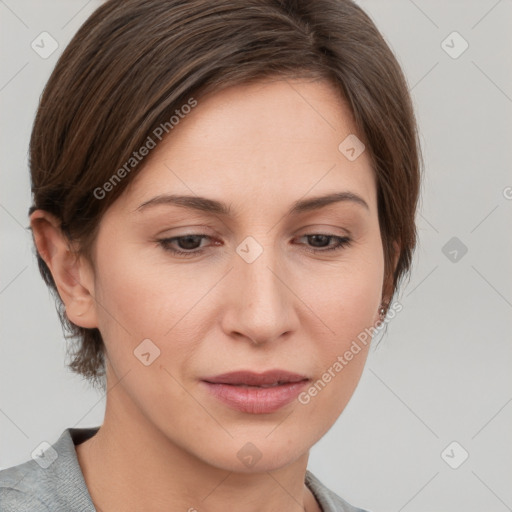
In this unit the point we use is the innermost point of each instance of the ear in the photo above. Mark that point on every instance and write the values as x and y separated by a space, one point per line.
73 275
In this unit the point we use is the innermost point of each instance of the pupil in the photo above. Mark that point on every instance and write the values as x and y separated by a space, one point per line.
186 241
319 237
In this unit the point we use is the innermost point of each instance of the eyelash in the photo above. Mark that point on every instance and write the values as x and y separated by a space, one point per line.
342 242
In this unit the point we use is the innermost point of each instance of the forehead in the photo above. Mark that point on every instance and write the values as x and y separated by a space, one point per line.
258 144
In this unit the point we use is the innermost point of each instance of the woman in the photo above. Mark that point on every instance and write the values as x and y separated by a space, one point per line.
224 202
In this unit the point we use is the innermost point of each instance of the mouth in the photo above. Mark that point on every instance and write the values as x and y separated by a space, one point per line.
269 378
242 385
255 393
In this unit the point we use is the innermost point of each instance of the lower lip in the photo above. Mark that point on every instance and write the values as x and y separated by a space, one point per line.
256 400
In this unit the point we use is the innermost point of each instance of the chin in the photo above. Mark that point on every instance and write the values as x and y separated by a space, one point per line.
256 454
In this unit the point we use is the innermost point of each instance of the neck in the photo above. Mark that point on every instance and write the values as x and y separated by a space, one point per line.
129 454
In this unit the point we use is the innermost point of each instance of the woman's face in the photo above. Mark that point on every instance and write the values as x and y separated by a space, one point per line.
251 294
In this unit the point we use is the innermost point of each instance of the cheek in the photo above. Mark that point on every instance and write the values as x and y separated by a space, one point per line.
347 304
140 301
346 298
135 295
131 301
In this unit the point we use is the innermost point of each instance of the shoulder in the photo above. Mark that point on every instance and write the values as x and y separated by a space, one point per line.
328 500
51 480
16 492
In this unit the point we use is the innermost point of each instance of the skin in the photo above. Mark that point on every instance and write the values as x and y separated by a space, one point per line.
259 148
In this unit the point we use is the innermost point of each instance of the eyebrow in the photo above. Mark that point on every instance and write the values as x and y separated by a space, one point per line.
205 204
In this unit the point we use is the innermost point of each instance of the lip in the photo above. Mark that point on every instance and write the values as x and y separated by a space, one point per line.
256 379
242 390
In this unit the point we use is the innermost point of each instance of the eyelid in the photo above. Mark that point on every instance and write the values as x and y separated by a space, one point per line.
325 229
190 227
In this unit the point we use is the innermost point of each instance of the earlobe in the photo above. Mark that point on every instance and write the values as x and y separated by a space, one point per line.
74 281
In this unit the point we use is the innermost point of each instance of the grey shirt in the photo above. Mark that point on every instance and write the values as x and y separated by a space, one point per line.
54 482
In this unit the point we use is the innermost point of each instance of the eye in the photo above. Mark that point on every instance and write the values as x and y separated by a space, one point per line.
322 240
190 245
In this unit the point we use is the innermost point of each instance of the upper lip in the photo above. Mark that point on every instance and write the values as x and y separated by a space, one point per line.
256 379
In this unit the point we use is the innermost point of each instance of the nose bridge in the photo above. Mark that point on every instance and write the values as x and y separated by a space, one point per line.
262 302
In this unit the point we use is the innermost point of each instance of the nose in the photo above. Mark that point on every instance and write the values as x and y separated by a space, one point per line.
260 303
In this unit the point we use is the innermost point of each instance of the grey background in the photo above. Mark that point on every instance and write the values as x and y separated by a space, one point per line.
442 372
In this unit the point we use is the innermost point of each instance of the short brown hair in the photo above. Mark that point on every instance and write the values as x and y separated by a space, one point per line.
133 63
